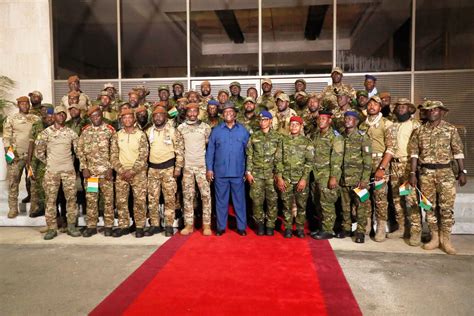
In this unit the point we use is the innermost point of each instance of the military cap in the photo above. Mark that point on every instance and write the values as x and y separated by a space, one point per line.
205 82
192 106
109 85
249 99
134 91
229 105
283 97
47 105
267 80
73 94
159 109
234 83
302 93
223 91
376 98
60 108
352 113
435 104
72 79
300 80
362 93
178 83
384 95
325 112
74 105
370 77
163 87
93 109
337 69
266 114
140 108
23 99
296 119
343 92
127 111
104 93
142 87
277 93
401 101
424 104
36 92
213 102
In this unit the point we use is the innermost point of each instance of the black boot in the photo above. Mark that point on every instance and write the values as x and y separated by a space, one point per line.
287 233
169 231
39 212
88 232
270 231
359 238
108 231
119 232
139 233
322 235
300 233
153 230
260 229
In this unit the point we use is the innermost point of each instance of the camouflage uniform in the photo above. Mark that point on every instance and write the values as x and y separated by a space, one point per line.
329 149
310 125
293 160
191 141
261 150
356 167
435 147
331 92
338 119
53 148
84 102
16 133
251 124
76 125
93 151
265 102
160 173
238 101
281 120
38 168
129 151
212 122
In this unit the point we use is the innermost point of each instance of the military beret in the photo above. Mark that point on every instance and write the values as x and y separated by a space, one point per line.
109 85
435 104
362 93
266 114
352 113
213 102
93 109
159 109
47 105
36 92
72 79
23 99
140 108
192 106
283 97
234 83
267 80
60 108
376 98
223 91
127 111
302 93
163 87
300 80
384 95
370 77
50 111
104 93
337 69
74 105
249 99
178 83
325 112
205 82
296 119
73 94
229 105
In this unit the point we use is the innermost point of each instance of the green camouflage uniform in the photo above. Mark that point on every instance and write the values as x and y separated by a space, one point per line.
330 93
261 150
238 102
310 124
251 124
265 102
212 122
329 148
77 124
293 161
338 119
38 168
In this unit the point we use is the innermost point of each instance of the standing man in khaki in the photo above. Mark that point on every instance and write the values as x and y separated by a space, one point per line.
93 151
282 114
54 147
129 156
161 171
16 136
192 137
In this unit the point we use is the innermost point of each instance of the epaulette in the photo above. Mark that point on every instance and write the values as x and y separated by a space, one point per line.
85 127
110 127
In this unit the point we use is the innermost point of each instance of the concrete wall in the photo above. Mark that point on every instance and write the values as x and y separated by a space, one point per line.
25 46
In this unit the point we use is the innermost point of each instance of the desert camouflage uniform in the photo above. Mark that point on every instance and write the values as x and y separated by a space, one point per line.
310 124
331 92
281 120
84 102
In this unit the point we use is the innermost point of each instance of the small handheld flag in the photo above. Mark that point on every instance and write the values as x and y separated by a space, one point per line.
405 189
30 172
93 184
10 155
425 203
379 184
362 193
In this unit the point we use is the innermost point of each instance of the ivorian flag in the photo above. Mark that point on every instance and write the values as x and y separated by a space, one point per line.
30 172
173 112
405 189
379 184
10 156
424 203
93 184
362 193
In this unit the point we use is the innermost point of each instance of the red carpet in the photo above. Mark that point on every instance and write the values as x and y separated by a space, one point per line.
234 275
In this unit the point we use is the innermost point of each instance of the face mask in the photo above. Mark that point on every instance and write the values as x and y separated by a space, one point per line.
404 117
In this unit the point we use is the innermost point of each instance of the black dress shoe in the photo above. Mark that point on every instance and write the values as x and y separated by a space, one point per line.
38 213
119 232
270 231
153 230
322 235
108 231
300 233
359 238
287 233
88 232
139 233
261 229
220 232
343 234
169 231
241 232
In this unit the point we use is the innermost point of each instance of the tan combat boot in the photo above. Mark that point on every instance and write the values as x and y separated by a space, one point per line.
434 242
399 233
206 230
12 213
188 229
368 227
380 233
415 238
446 245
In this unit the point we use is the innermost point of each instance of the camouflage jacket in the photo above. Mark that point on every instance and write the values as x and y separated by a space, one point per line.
261 149
212 122
281 120
252 125
338 119
266 103
379 135
400 134
84 102
77 125
17 130
357 159
191 142
330 93
139 148
93 148
436 144
238 101
329 149
294 158
310 124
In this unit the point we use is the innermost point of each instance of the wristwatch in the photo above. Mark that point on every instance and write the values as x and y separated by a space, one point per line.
381 168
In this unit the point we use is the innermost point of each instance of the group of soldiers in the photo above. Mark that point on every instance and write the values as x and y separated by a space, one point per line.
355 146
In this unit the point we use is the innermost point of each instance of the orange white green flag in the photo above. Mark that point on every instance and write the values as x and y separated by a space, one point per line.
93 184
362 193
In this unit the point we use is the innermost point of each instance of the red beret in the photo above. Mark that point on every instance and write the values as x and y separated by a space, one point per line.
296 119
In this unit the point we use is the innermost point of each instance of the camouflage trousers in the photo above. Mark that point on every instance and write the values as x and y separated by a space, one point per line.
349 198
441 182
379 197
15 170
37 189
263 189
106 189
191 176
300 198
327 199
400 173
122 190
51 184
158 180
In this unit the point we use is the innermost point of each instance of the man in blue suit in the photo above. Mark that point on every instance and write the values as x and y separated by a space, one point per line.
225 162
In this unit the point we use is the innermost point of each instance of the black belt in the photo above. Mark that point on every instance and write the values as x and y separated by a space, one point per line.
163 165
436 165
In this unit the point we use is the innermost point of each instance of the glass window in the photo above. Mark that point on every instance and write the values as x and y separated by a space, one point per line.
373 35
224 38
153 38
297 37
444 34
85 38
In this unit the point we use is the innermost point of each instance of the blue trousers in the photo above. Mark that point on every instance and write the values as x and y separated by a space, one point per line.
223 187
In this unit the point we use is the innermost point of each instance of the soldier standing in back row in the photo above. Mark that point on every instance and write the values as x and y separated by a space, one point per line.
266 100
434 146
331 92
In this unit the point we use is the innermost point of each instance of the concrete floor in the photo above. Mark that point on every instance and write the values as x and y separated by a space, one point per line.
70 276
